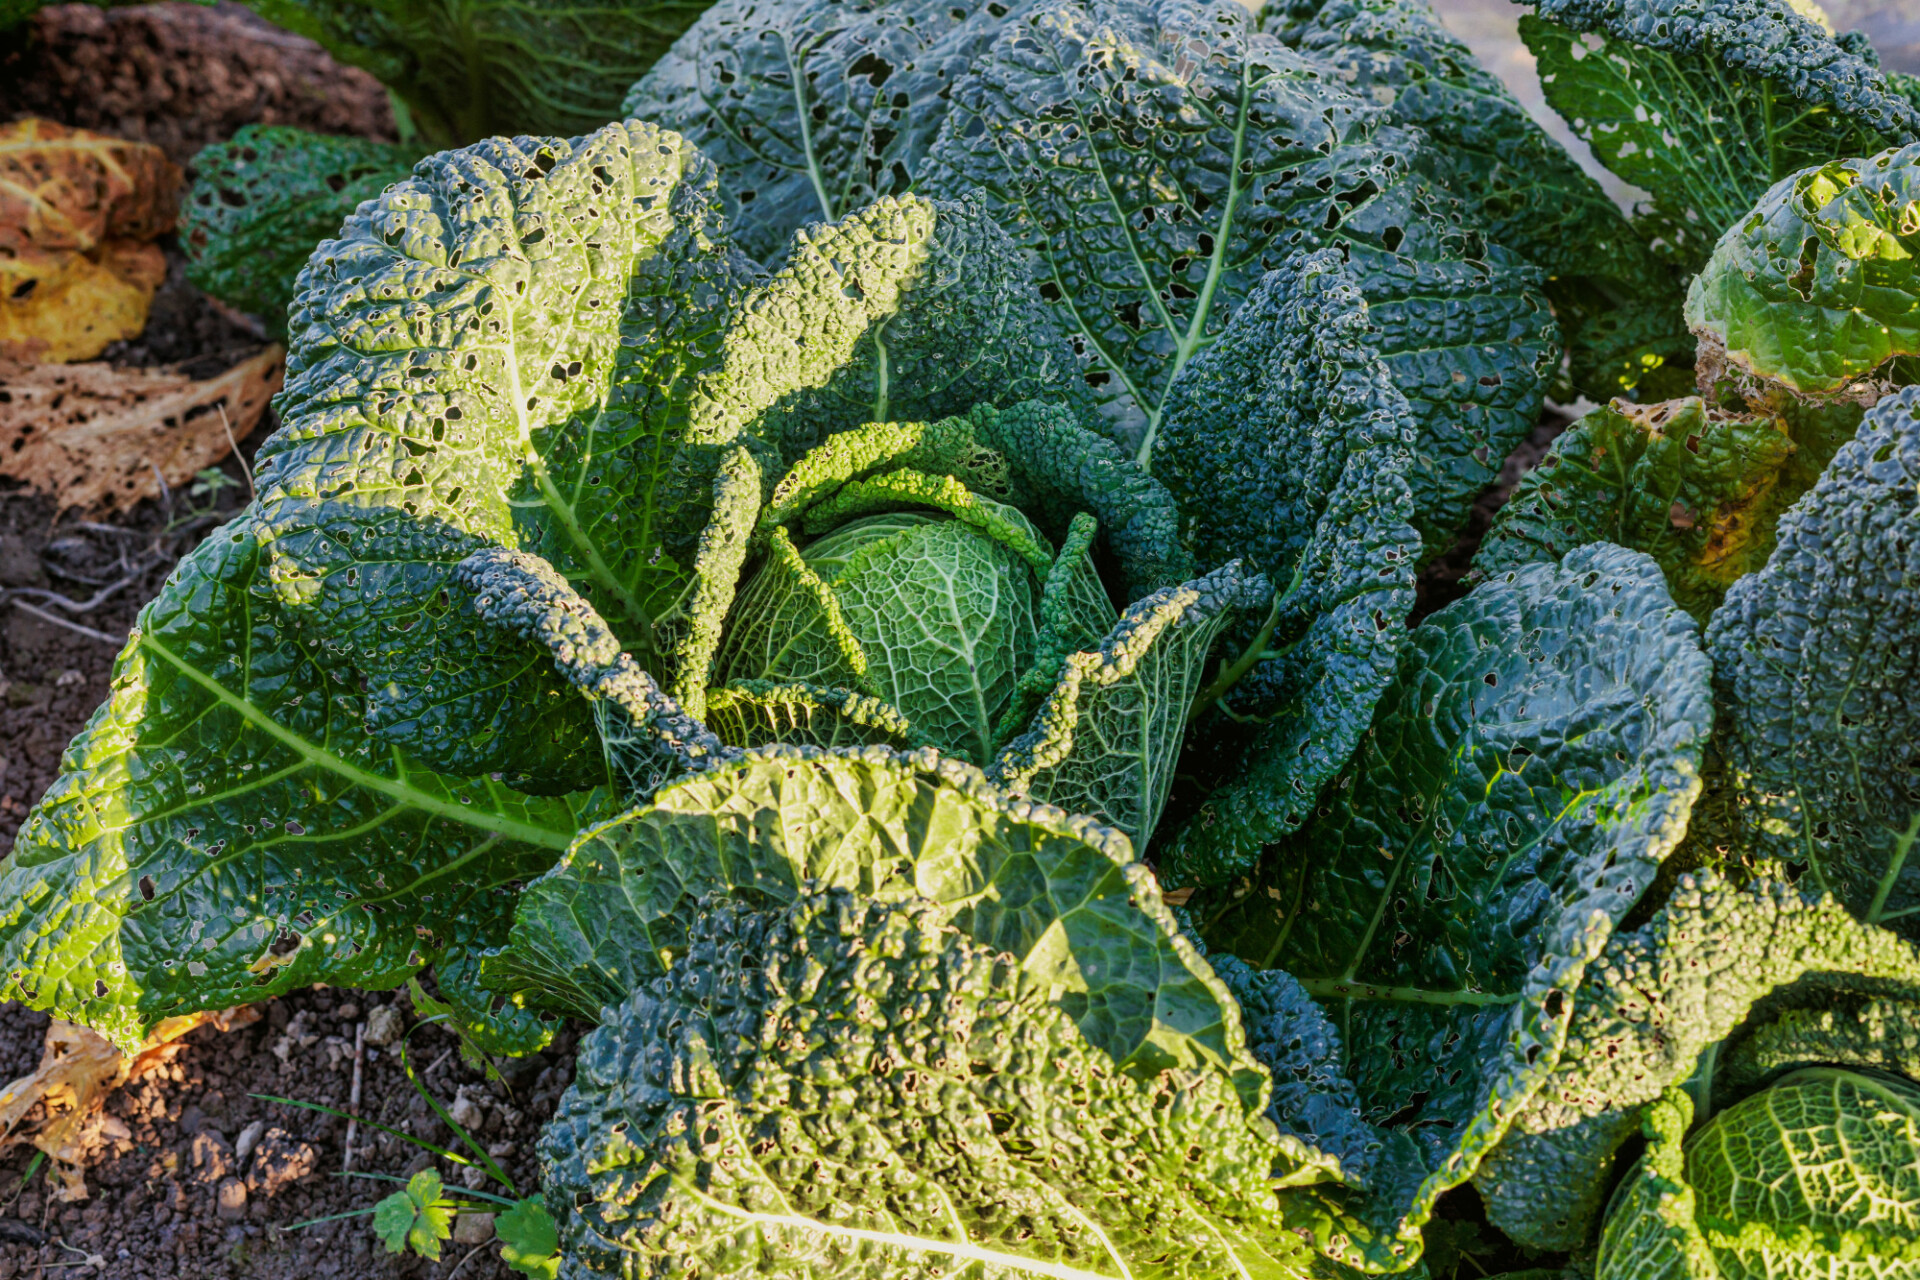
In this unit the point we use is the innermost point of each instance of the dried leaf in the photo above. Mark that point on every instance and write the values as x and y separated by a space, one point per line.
64 188
78 1069
63 306
89 433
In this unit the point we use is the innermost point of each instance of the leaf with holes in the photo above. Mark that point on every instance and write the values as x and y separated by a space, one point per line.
1815 669
1157 189
1816 289
263 199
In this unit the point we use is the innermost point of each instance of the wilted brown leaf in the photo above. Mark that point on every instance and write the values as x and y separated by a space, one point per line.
66 306
78 1069
88 433
64 188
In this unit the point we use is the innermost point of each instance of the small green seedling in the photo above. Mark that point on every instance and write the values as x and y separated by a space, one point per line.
419 1214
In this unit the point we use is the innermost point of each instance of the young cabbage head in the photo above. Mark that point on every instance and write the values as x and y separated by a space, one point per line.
892 567
1817 1176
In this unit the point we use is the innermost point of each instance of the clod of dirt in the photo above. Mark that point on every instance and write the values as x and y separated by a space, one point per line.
182 76
385 1025
280 1161
211 1157
473 1228
232 1199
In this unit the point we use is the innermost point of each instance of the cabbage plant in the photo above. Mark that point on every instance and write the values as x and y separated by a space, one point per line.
887 582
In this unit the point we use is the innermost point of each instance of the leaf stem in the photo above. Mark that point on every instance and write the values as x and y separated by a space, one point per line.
1231 673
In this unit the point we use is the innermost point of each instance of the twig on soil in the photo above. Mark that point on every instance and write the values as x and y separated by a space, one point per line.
353 1093
58 621
435 1064
459 1266
71 605
233 444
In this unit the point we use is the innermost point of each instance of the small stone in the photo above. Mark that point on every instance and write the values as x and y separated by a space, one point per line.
501 1150
466 1112
249 1139
232 1196
473 1177
385 1024
473 1228
114 1129
347 1012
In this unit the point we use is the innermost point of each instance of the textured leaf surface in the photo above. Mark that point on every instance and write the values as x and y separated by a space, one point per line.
263 199
1707 103
1524 778
1106 741
1526 191
1064 895
939 315
813 108
1286 442
225 829
706 1132
647 736
1158 188
466 69
943 620
501 350
1817 1176
1818 286
1815 668
1656 1232
1701 495
1713 957
759 713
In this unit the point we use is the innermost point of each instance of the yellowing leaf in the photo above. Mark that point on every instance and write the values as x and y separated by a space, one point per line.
78 1069
64 306
64 188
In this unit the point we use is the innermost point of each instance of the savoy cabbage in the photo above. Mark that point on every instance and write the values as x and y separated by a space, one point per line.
888 580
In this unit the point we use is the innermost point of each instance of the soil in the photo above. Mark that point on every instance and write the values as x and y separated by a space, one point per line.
181 76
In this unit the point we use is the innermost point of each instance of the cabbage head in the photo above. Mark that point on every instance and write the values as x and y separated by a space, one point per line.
1818 1175
897 564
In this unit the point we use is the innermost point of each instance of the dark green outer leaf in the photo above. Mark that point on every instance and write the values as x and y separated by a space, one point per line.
1287 442
1526 191
224 830
812 108
1521 784
1646 1010
1158 188
1707 104
466 69
501 350
1818 287
1065 895
647 736
263 199
945 318
847 1087
1815 672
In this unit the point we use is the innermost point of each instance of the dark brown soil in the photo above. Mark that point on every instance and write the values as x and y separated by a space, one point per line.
181 76
166 1142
